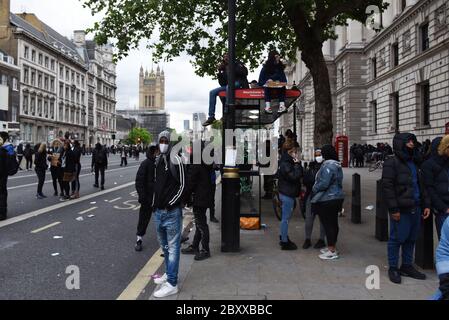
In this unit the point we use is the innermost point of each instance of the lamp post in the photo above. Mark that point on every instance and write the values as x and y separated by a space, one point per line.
230 195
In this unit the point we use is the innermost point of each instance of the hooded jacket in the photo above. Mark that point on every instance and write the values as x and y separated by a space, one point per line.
290 174
96 156
328 182
436 178
397 177
169 182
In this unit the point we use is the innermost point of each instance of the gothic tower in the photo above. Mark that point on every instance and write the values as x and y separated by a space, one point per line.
152 90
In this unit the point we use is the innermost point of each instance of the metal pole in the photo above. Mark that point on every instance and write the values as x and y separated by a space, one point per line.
230 197
356 206
381 231
294 122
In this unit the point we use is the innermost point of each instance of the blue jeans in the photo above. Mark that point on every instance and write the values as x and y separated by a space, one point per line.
168 227
287 209
213 94
440 218
403 234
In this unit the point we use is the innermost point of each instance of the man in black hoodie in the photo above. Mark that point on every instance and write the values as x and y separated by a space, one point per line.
99 163
145 191
405 196
436 178
168 194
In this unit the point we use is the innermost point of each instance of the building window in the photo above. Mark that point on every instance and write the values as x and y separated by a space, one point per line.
46 62
52 110
33 78
26 53
67 75
374 67
15 85
33 55
425 104
395 54
46 83
52 64
33 106
52 85
25 75
39 81
374 116
395 111
61 72
152 101
40 59
403 4
25 104
342 77
424 34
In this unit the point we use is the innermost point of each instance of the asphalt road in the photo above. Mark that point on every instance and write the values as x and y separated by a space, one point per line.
33 264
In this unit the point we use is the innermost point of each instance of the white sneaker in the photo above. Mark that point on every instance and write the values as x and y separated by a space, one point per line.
161 280
329 255
268 107
166 290
324 250
282 108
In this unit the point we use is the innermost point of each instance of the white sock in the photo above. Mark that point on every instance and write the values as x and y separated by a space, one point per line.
267 105
139 238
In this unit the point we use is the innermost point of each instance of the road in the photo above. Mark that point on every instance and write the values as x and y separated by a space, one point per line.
41 238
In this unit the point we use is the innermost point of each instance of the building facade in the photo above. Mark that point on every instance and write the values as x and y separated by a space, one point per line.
9 96
393 80
152 90
155 122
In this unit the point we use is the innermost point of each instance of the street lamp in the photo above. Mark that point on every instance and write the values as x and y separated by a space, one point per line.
230 195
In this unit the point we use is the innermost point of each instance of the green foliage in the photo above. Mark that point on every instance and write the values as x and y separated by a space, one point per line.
199 27
139 135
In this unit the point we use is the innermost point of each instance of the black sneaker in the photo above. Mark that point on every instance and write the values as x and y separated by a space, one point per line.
56 193
102 187
394 275
2 217
203 254
288 245
61 194
138 246
96 186
189 250
307 244
410 271
320 244
214 220
209 121
184 239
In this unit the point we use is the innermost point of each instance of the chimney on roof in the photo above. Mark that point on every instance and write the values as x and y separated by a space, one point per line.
5 6
79 37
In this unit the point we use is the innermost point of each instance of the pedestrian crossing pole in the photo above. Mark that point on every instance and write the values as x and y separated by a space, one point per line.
230 195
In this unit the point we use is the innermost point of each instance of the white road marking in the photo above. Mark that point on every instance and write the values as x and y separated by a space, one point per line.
36 213
50 181
114 200
88 210
46 227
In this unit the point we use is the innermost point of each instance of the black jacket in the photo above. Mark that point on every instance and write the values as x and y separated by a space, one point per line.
96 154
40 161
397 181
436 179
199 184
69 158
241 73
169 182
290 175
309 177
145 181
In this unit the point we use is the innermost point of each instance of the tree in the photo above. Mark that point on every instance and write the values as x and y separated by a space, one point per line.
139 135
199 28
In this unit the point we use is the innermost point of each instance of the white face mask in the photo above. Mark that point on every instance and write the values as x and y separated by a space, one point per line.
319 159
163 148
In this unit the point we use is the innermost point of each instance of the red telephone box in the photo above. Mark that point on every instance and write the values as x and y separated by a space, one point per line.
342 148
447 128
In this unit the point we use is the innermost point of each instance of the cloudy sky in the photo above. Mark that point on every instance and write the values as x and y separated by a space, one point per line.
185 92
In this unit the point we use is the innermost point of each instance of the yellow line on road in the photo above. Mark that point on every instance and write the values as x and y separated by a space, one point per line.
46 227
139 283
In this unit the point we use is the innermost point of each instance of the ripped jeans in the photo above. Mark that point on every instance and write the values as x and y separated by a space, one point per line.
169 228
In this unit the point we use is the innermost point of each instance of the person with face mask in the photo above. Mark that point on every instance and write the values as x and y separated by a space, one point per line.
289 185
273 70
327 199
309 181
436 179
168 195
406 197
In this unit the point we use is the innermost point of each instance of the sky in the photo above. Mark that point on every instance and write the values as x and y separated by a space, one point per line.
185 92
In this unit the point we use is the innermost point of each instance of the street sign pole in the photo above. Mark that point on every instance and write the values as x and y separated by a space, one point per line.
230 204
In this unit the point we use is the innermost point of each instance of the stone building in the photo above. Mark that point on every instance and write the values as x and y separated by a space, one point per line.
393 80
152 90
154 121
9 96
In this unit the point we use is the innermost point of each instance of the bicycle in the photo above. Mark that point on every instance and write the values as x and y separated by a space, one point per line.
379 164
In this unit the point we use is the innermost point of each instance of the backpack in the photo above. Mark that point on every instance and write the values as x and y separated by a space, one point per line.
100 157
12 165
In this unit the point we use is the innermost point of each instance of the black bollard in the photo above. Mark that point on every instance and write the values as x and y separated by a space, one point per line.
230 214
424 251
381 214
356 205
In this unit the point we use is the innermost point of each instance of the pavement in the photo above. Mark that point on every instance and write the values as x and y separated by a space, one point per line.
261 271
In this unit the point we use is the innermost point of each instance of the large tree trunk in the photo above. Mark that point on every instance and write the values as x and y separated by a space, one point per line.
314 60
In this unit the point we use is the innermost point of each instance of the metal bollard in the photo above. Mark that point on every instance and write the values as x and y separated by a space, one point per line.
356 205
230 216
424 251
381 232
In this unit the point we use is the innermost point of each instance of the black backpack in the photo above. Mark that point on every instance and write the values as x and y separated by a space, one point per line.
12 165
100 157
